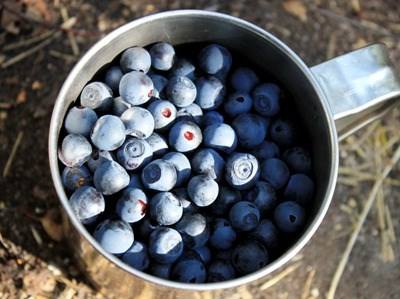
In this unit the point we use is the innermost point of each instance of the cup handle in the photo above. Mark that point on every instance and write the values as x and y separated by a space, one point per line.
360 86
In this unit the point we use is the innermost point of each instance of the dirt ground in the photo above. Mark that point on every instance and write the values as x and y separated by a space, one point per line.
36 263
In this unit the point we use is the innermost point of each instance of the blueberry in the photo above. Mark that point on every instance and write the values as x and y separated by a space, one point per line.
300 189
112 77
282 133
289 217
211 118
244 79
189 270
244 216
250 129
137 256
227 197
94 94
159 175
119 106
86 202
97 158
275 172
80 120
266 233
183 197
266 99
221 137
193 229
203 253
135 182
298 160
182 166
75 150
158 144
223 236
203 190
215 60
249 257
75 177
165 245
136 88
135 59
266 150
159 83
138 122
160 270
238 103
263 195
164 113
210 93
183 67
208 161
115 236
220 270
132 205
108 133
242 171
165 208
110 177
134 153
162 56
181 91
145 227
185 136
192 113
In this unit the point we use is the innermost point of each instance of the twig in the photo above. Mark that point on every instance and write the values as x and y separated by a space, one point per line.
390 226
274 280
30 52
6 106
71 36
12 154
36 236
66 57
330 52
367 207
307 285
28 42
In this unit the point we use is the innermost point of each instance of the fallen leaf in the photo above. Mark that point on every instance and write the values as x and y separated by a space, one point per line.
360 43
51 223
21 97
39 8
36 85
296 8
355 6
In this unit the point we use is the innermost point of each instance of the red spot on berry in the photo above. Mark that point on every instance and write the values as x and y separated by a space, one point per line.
150 94
188 135
143 206
166 112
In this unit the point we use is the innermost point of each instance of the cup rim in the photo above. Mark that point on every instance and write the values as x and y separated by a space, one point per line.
57 117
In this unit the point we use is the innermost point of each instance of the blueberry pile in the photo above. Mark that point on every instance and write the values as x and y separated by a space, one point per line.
189 168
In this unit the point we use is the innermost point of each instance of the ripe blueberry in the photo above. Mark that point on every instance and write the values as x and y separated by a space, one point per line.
132 205
244 216
242 171
165 208
275 172
115 236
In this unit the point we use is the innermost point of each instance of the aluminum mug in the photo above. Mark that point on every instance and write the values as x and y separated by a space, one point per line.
333 99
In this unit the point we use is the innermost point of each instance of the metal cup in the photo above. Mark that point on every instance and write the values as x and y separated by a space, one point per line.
333 99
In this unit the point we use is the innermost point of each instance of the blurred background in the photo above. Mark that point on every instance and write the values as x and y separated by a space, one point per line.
41 40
